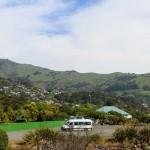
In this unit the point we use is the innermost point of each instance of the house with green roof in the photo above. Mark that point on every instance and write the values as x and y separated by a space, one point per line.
107 109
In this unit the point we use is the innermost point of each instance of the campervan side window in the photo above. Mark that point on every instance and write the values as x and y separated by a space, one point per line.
87 123
71 123
84 123
81 123
76 123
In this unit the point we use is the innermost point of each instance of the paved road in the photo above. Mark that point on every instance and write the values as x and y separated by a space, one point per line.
104 131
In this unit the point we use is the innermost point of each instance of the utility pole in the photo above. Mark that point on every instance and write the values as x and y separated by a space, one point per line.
90 98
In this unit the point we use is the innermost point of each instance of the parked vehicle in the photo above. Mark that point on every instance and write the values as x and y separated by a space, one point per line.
77 124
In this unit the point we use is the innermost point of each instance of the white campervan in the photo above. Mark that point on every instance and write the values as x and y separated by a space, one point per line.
77 124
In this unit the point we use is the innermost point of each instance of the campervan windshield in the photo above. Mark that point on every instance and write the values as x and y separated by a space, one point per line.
67 123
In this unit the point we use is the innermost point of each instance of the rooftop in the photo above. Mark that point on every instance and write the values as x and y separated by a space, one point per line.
112 108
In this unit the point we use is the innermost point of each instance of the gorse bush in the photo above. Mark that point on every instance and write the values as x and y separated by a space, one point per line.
3 140
119 135
144 136
132 135
41 138
45 138
122 134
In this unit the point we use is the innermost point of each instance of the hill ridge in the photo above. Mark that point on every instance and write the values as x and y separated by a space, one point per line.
72 80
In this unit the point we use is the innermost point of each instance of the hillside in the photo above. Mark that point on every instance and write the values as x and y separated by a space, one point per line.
72 80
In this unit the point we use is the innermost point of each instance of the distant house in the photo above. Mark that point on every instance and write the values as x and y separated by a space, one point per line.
107 109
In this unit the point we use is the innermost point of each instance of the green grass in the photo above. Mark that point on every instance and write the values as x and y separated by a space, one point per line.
146 93
31 125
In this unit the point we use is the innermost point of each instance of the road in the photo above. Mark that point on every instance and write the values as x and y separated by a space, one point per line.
104 131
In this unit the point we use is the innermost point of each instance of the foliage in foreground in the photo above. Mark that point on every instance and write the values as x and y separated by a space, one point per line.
3 140
132 136
44 138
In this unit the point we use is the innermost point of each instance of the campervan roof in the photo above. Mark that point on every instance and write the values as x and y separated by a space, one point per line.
80 120
77 117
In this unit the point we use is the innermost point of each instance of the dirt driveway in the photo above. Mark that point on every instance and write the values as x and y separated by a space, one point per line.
106 131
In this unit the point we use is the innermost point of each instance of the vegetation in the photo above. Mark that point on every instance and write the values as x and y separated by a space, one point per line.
3 140
126 102
132 136
33 112
128 86
71 80
123 138
45 138
62 105
70 93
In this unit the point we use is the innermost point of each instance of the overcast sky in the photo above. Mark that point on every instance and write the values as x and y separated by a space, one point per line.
101 36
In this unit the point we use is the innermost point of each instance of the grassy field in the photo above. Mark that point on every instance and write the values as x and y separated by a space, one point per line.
30 125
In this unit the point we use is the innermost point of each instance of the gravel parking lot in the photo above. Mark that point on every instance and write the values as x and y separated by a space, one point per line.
105 131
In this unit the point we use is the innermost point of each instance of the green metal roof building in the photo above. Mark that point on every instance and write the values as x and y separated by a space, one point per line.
107 109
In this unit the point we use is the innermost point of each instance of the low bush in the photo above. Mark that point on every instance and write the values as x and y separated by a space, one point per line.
3 140
133 136
45 138
144 136
119 135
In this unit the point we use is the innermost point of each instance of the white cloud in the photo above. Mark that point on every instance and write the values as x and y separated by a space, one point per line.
107 37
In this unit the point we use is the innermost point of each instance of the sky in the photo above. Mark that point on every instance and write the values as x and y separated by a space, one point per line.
101 36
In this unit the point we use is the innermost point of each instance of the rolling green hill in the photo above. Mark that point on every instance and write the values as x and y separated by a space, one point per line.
74 81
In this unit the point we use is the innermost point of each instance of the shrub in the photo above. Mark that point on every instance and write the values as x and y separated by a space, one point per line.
3 140
129 133
41 138
144 136
78 140
45 138
119 135
133 136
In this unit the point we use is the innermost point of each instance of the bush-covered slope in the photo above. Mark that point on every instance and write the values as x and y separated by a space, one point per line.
72 80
